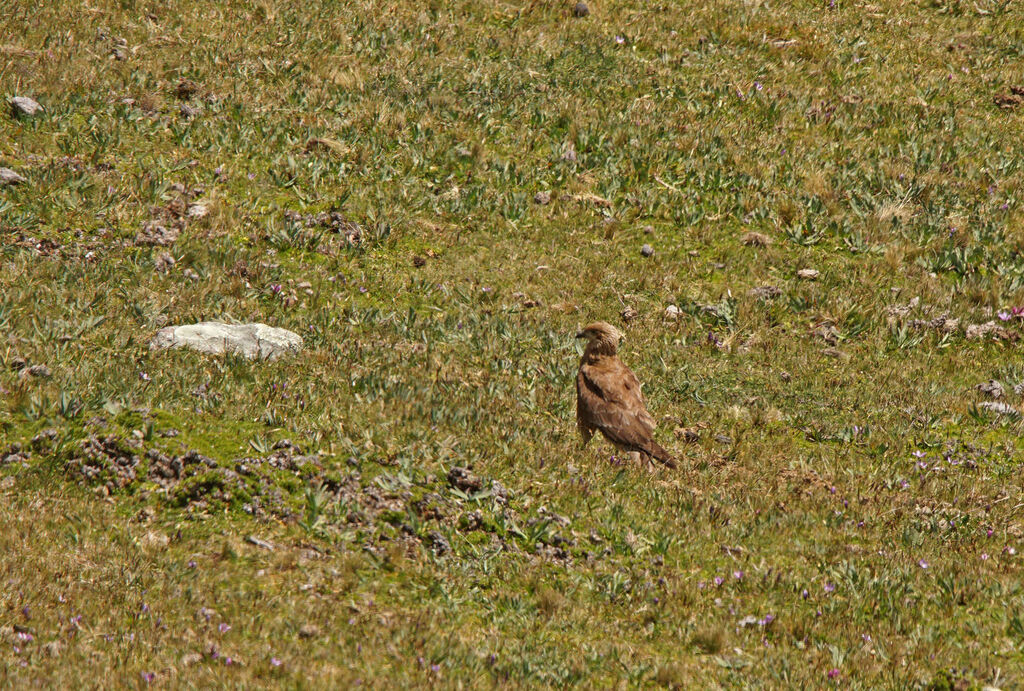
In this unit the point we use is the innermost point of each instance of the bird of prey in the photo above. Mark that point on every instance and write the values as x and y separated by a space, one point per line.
608 398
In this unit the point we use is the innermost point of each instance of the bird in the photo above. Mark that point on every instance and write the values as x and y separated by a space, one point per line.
609 400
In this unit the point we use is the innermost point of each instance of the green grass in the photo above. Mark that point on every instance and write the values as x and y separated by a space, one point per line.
865 141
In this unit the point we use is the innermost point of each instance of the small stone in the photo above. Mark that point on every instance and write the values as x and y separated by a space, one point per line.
672 313
155 233
723 439
580 10
648 230
41 371
753 239
991 388
687 434
765 292
190 659
9 177
438 543
464 479
186 89
251 341
165 262
119 53
24 107
628 314
197 211
309 631
542 198
807 274
418 261
647 250
188 111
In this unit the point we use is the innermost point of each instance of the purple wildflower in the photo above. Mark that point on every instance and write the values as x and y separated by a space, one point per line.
148 677
223 628
719 580
829 587
275 662
919 454
922 563
1003 315
737 575
984 556
833 673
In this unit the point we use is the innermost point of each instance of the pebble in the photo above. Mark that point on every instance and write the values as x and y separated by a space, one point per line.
628 314
807 274
672 312
542 198
580 10
24 107
647 250
9 177
309 631
991 388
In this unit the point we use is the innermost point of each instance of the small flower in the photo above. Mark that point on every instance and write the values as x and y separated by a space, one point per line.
228 661
829 588
252 176
701 585
223 628
1003 315
865 637
833 673
1010 550
768 619
984 556
804 594
148 677
737 575
191 563
275 662
922 563
989 532
25 636
860 524
145 608
620 40
719 580
904 484
758 86
919 454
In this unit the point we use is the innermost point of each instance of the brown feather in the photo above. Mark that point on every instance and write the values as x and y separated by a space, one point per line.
609 400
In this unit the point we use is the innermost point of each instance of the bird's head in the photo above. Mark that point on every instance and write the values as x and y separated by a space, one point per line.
601 337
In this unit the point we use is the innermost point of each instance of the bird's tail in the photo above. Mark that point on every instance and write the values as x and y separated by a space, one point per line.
658 453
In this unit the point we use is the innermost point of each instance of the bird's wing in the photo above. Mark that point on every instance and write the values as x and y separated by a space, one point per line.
633 384
609 401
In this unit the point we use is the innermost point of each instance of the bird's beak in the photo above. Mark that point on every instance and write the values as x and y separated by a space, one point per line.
580 334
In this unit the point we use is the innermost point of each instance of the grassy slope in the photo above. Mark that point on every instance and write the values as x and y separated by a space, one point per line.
863 140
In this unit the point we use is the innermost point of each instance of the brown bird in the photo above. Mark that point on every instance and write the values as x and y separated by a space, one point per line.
608 398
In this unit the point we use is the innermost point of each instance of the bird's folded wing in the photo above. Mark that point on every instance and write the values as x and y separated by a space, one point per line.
605 403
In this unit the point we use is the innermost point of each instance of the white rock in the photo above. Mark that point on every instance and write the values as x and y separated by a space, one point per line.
672 312
248 340
9 177
197 211
24 107
807 274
